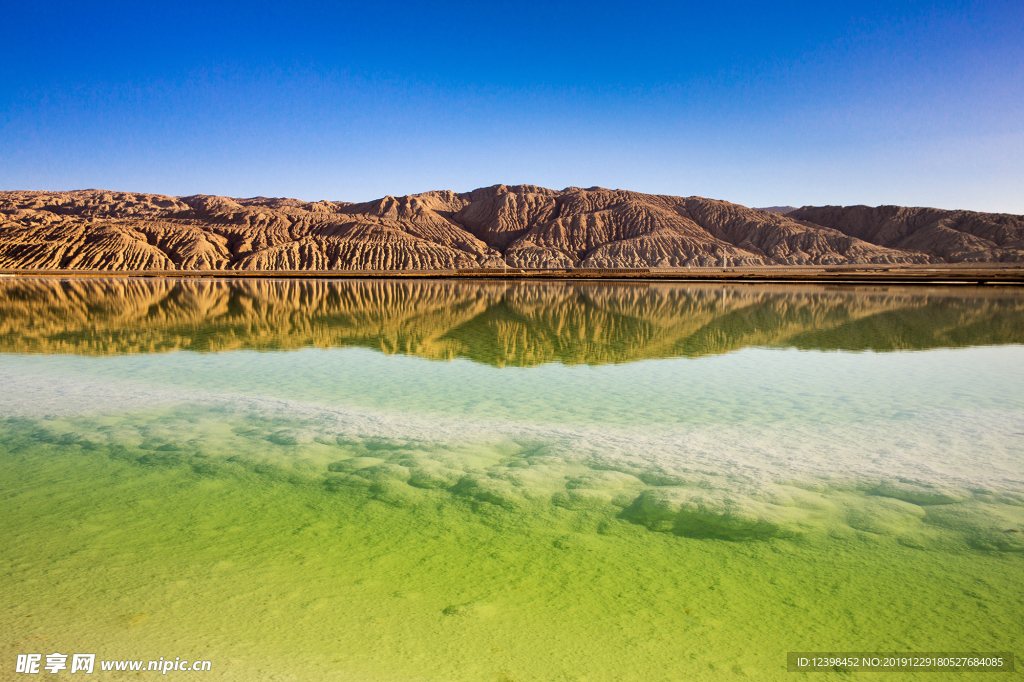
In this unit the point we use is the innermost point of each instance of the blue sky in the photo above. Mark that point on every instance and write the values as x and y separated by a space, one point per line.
912 103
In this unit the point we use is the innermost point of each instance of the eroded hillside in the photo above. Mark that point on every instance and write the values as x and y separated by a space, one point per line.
946 236
493 227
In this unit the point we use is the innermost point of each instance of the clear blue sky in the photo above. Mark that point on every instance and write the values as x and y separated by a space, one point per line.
912 103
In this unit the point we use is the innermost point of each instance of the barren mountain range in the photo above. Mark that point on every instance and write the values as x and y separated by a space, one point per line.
522 226
493 322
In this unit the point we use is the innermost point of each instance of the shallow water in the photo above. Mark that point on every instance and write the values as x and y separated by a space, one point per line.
381 480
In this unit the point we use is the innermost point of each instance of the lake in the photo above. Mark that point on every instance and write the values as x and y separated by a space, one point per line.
527 481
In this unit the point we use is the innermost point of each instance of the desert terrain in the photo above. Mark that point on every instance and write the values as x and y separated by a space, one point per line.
514 230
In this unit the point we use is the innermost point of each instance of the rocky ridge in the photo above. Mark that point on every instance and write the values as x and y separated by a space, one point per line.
493 227
945 236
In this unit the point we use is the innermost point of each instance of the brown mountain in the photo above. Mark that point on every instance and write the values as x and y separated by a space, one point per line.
946 236
522 226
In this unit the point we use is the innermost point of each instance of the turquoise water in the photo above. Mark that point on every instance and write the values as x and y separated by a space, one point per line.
465 481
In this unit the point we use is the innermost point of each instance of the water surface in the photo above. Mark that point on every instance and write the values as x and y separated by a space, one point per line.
444 480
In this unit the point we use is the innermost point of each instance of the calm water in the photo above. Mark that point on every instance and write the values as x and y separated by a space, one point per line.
450 480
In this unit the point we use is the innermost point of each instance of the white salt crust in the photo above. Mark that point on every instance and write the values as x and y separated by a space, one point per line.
723 480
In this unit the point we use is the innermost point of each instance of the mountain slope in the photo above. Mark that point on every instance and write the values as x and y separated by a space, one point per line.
948 236
518 226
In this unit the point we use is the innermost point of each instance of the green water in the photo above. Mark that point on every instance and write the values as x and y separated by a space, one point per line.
463 481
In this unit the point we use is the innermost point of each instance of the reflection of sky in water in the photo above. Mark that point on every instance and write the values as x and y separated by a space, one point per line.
753 385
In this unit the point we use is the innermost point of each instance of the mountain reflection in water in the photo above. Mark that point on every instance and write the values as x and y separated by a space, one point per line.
493 322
